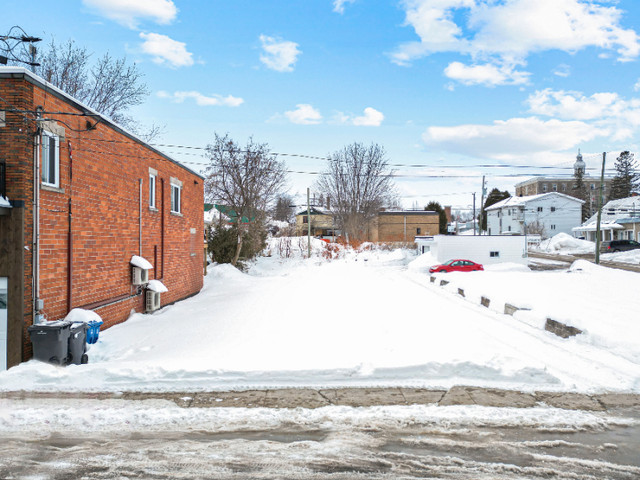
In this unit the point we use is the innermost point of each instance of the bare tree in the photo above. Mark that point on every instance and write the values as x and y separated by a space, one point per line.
246 180
359 184
535 228
110 85
283 209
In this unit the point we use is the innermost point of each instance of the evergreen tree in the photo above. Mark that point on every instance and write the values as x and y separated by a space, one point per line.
494 197
442 224
627 179
580 192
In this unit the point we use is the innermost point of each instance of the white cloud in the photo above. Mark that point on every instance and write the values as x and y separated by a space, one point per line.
202 100
129 13
562 70
338 5
279 55
605 109
371 118
507 32
166 51
304 114
636 87
513 139
575 106
488 74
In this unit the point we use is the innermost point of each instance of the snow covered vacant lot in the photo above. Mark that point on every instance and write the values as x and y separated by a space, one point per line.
369 318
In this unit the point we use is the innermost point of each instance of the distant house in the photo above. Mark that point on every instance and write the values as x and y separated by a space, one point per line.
620 220
318 220
565 185
89 215
548 214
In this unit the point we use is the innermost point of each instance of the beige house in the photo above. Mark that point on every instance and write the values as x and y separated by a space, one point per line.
321 221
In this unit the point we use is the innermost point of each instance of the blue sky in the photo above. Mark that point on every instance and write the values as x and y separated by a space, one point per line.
438 83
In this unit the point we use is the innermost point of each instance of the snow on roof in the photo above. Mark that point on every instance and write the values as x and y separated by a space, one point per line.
157 286
518 201
316 210
140 262
4 202
615 211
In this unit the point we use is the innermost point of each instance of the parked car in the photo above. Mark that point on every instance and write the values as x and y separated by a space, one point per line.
619 246
457 265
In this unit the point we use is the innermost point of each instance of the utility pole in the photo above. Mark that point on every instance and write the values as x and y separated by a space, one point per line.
484 191
600 200
308 225
474 213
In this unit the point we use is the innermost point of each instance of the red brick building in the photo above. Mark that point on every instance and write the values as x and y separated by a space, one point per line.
82 197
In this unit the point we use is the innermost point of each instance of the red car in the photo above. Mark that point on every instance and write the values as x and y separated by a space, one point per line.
457 265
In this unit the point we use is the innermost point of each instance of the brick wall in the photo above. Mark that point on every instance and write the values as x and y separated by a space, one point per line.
403 227
98 208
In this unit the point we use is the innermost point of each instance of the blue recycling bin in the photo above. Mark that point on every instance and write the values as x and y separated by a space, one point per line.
93 331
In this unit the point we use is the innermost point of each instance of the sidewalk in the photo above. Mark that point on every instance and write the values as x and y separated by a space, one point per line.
361 397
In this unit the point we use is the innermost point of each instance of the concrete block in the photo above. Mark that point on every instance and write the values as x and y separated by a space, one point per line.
560 329
461 292
511 309
432 279
444 282
484 301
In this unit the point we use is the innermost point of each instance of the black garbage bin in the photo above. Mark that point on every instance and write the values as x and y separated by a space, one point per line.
50 341
78 344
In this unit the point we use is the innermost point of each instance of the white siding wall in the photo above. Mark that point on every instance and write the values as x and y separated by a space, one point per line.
509 220
510 248
567 214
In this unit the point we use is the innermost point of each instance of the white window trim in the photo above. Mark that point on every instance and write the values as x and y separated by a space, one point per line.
178 188
56 139
152 189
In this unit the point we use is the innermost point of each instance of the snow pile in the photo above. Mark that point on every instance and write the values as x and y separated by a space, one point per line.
80 315
564 243
630 256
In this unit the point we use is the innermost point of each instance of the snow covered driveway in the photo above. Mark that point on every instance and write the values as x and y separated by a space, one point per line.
367 319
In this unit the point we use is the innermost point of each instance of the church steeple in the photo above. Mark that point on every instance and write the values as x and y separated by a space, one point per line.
579 165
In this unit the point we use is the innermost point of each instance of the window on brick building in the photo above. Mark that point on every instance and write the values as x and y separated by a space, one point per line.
50 159
153 174
176 193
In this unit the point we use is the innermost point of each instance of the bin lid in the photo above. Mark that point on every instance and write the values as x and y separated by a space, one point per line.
57 324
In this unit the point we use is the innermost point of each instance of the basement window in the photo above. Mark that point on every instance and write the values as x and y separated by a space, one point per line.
50 159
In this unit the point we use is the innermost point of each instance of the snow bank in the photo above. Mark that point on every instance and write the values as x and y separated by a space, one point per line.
563 243
42 417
